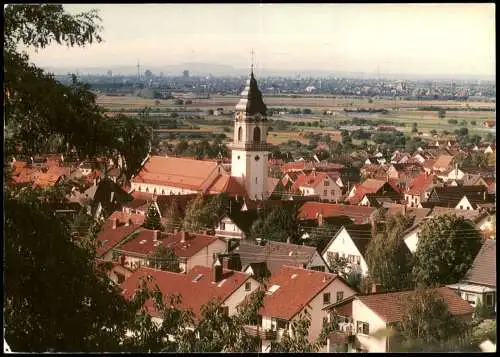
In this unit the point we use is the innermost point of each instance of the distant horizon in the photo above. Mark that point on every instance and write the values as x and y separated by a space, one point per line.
231 70
429 40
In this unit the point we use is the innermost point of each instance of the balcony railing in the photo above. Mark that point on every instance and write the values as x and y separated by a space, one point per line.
262 333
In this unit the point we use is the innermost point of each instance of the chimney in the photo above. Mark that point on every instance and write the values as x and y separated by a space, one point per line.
288 240
217 271
155 235
115 223
376 288
183 236
112 196
484 195
128 222
404 210
320 219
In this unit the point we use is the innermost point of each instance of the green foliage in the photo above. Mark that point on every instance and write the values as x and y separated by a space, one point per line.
214 331
427 321
174 216
164 258
388 258
278 224
204 213
296 340
446 249
441 113
44 115
50 279
153 220
338 264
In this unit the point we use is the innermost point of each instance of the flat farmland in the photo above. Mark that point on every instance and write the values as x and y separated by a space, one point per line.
400 112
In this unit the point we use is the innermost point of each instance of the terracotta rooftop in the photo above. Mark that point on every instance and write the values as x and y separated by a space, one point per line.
229 185
443 162
196 288
108 238
310 210
297 287
176 172
421 183
313 180
192 244
390 306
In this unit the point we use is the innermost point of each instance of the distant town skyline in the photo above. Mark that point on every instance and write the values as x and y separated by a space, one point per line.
423 39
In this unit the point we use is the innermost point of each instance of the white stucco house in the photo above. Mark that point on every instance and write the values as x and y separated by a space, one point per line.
350 242
292 292
360 316
479 283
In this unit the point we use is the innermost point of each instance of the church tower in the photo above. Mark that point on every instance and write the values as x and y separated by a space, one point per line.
250 150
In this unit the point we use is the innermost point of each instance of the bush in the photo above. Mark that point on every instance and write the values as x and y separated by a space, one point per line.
452 121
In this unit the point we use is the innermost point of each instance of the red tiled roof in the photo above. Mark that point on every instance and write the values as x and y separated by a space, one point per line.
193 294
192 245
312 180
369 186
295 166
177 172
229 185
137 219
420 184
108 237
49 178
297 287
309 210
443 162
390 306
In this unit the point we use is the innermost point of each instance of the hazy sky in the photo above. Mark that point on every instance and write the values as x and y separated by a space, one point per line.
399 38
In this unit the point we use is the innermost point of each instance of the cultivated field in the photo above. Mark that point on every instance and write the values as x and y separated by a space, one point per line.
400 111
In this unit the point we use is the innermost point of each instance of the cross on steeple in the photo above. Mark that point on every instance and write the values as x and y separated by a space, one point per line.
252 54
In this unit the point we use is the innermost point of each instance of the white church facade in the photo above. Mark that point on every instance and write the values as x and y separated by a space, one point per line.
249 163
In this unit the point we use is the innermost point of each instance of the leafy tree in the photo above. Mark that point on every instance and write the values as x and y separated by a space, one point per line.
441 113
446 249
153 220
174 216
338 264
54 296
277 225
165 259
296 339
427 321
204 213
433 132
388 258
414 128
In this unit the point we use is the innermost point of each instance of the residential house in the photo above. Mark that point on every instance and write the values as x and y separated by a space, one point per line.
460 197
419 189
350 242
292 292
479 284
361 316
277 254
191 249
196 288
318 184
227 228
444 163
378 187
112 233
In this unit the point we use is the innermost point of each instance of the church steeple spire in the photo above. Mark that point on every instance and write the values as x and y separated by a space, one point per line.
251 102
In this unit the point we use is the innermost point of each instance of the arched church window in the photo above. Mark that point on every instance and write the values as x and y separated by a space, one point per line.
240 133
256 135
